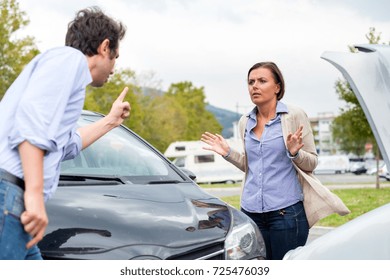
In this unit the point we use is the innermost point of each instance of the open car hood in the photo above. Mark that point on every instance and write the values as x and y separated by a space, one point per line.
368 73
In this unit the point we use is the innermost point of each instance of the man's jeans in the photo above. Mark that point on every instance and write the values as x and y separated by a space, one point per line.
282 230
13 238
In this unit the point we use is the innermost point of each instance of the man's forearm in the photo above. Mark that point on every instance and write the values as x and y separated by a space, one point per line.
120 110
92 132
32 164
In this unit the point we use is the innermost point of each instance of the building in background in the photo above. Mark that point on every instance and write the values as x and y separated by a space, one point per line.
322 130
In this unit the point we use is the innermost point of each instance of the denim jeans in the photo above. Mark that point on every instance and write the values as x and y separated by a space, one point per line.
282 230
13 237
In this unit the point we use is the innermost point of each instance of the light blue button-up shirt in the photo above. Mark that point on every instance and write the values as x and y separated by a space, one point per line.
272 182
42 106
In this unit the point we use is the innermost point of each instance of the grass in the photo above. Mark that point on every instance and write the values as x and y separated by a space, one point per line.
359 201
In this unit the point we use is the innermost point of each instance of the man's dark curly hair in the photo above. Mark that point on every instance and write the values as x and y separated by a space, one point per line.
90 28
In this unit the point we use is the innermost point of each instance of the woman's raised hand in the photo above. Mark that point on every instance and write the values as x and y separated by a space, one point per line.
216 143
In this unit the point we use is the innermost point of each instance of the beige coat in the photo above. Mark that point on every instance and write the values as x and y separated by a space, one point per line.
319 202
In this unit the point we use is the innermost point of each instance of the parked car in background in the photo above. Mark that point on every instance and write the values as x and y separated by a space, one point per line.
332 164
122 199
358 167
373 166
367 236
207 166
384 173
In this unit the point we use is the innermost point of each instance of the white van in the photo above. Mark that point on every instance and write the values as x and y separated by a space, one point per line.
208 166
332 164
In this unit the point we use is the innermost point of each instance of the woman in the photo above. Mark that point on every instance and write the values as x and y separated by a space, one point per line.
280 192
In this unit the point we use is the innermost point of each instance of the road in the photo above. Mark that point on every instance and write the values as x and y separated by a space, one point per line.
347 178
332 181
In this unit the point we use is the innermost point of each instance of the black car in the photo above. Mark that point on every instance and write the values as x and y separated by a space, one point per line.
122 199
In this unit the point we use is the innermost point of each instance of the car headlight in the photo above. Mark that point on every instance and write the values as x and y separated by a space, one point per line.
244 241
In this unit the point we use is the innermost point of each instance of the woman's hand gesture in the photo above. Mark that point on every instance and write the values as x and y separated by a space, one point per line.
294 141
216 143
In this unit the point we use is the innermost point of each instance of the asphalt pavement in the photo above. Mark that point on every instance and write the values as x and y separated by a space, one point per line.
331 181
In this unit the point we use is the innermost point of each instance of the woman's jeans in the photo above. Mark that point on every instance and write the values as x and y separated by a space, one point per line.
13 238
282 230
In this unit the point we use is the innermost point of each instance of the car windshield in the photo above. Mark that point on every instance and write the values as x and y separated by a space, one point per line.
118 154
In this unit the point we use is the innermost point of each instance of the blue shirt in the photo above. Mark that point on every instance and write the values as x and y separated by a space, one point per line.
272 182
42 107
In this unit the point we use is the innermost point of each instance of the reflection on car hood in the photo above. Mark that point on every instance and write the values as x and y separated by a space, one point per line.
368 73
138 221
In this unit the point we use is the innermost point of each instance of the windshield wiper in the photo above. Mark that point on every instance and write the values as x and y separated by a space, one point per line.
93 177
163 182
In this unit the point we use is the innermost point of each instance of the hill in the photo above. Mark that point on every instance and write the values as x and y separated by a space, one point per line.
226 118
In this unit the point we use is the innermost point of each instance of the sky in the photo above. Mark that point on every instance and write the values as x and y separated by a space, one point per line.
213 43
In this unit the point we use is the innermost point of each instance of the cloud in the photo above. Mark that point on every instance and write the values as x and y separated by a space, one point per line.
214 43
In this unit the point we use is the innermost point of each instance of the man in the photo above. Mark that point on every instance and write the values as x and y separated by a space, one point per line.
38 125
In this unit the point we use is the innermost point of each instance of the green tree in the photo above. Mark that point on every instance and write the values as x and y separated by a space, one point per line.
152 115
164 122
351 128
198 119
14 53
101 99
160 118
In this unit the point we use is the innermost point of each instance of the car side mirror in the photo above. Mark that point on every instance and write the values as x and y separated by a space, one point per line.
189 173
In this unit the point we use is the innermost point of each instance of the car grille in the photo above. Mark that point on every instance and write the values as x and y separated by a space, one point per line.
211 252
